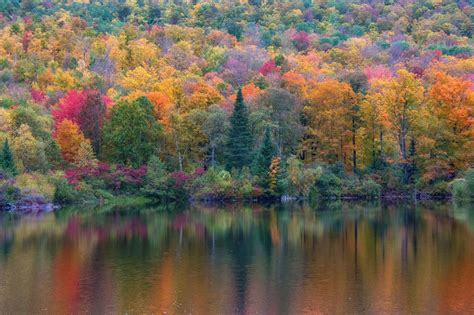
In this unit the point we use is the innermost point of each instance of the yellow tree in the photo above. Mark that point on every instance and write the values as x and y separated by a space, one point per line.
402 99
328 128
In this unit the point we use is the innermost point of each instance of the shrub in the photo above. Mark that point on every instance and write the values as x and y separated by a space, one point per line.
463 188
329 185
371 189
65 192
36 183
459 189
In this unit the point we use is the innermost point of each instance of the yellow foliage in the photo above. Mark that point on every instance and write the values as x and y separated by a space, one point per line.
36 183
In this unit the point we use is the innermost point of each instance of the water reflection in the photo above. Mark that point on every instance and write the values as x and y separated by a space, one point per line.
337 258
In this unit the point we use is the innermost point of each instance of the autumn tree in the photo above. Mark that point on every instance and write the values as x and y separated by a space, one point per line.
451 130
327 112
91 118
29 152
277 181
71 140
402 99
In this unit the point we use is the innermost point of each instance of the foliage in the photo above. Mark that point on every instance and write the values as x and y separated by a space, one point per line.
463 188
157 180
7 163
386 92
72 142
35 183
131 133
263 160
239 139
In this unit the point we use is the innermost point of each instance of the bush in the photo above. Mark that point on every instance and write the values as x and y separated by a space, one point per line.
370 189
459 189
36 183
463 188
66 193
216 183
329 185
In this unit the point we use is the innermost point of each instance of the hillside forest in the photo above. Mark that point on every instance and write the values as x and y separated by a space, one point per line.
236 100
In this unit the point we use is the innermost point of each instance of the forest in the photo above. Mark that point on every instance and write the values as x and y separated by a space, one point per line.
227 100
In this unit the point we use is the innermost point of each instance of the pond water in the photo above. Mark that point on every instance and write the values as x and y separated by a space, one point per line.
240 259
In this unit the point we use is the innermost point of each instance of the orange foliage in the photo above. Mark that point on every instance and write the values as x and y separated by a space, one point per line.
454 101
329 121
203 96
162 106
69 138
249 91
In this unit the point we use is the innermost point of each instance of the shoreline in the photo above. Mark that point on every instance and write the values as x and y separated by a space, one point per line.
137 200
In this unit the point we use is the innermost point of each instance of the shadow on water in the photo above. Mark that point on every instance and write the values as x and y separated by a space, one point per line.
333 257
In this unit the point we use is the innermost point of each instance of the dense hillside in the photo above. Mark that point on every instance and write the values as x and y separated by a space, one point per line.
226 99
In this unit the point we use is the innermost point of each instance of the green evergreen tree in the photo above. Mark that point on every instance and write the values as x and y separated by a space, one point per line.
7 162
263 159
240 138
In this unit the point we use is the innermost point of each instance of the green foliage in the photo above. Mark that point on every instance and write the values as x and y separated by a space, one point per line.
216 183
7 163
451 50
329 185
463 188
301 179
263 159
240 138
157 180
131 133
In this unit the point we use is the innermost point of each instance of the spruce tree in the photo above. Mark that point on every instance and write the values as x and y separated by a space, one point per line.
239 138
264 158
7 162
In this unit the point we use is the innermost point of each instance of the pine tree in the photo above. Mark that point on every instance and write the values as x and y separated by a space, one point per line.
240 139
7 162
264 158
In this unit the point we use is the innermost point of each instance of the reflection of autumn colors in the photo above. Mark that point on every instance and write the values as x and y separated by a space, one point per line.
343 258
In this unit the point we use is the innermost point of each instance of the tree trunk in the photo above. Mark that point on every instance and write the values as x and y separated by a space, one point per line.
354 149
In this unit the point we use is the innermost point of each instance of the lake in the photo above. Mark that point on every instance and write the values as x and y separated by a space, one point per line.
240 259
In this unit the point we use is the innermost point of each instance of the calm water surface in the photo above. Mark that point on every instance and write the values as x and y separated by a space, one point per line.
292 259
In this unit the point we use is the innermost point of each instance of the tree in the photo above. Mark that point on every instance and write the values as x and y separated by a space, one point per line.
70 139
85 155
156 180
239 138
91 118
29 152
214 127
451 102
6 160
284 113
276 177
68 107
402 100
131 133
328 122
264 158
